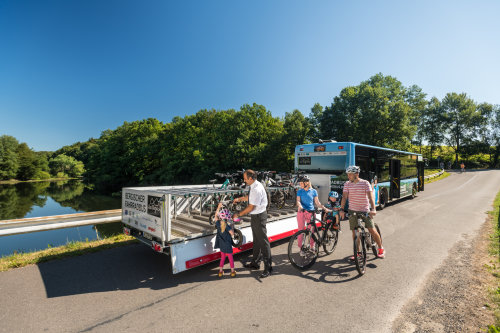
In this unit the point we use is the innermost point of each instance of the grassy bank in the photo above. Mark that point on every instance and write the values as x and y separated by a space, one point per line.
15 181
494 266
428 172
69 250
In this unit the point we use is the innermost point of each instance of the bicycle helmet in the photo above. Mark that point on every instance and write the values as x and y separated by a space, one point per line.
333 194
225 214
352 169
304 178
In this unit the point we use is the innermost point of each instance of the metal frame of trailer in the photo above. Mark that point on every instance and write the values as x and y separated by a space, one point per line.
170 220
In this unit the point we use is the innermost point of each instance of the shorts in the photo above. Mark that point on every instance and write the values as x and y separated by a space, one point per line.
353 220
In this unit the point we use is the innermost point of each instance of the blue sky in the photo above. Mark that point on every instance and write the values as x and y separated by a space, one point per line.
72 69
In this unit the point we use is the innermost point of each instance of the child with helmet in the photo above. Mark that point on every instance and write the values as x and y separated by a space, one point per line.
333 207
223 239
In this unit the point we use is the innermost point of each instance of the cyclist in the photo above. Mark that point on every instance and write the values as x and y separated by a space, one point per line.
307 197
361 200
334 206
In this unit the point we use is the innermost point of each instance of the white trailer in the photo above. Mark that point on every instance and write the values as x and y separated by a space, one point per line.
174 220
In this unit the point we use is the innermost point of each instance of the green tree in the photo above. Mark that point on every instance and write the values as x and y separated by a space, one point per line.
462 119
313 119
28 163
9 163
432 124
378 112
66 165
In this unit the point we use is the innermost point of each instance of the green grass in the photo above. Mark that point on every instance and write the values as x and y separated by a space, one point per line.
428 172
69 250
494 266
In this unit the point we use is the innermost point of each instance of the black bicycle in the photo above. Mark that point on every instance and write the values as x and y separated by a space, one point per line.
362 242
303 247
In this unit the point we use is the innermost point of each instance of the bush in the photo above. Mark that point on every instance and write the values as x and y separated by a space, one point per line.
42 175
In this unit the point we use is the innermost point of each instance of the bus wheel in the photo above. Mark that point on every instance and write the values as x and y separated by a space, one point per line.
382 200
414 191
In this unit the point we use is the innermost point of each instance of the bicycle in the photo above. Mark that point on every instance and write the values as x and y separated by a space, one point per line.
300 253
362 241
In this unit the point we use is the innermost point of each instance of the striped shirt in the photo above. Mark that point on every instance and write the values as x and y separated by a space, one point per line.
358 199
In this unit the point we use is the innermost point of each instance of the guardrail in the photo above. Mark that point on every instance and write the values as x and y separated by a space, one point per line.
434 175
36 224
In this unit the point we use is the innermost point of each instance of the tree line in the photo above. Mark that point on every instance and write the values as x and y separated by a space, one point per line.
379 111
18 161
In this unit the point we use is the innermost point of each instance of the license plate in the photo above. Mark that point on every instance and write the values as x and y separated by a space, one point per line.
147 236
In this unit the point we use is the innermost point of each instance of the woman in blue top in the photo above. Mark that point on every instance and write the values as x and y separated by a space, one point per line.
306 198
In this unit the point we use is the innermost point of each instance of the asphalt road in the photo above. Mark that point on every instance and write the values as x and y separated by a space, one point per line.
132 289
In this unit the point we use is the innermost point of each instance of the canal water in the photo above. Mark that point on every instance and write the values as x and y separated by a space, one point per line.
53 198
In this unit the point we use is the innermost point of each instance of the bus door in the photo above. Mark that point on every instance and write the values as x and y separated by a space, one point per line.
395 169
420 171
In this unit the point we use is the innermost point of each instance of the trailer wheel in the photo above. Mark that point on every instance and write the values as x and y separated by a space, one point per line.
237 239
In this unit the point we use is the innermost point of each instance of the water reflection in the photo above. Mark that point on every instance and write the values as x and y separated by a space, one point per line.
53 198
50 198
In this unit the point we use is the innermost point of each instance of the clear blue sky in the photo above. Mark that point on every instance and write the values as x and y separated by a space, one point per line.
70 69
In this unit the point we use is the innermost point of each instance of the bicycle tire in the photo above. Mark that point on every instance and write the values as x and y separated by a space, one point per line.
308 257
374 244
211 218
237 239
359 260
278 199
331 240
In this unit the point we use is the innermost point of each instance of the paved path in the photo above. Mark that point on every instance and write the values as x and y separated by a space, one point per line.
131 289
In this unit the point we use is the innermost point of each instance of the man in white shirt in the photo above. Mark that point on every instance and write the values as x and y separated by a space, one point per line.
257 204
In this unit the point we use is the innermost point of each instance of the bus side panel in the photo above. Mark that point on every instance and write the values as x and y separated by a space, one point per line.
196 252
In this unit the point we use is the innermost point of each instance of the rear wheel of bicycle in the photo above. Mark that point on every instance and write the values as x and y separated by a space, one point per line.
291 197
237 239
331 239
300 253
374 244
359 253
278 198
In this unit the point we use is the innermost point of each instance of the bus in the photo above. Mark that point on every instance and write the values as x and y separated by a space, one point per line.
393 173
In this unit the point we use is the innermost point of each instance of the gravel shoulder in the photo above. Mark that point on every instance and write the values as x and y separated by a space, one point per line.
455 296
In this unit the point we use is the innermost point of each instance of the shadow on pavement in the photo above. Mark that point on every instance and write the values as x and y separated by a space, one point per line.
136 266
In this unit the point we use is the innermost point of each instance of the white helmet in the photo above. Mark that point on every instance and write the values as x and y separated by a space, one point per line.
352 169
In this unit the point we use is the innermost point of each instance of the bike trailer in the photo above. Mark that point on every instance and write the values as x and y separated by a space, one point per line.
174 220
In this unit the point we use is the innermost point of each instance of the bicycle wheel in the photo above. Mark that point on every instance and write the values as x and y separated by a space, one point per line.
237 239
211 218
331 239
359 253
278 199
374 244
300 253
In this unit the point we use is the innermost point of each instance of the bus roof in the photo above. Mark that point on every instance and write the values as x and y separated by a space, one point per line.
354 144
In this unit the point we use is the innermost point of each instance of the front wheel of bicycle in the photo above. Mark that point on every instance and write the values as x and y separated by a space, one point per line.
331 239
359 253
300 252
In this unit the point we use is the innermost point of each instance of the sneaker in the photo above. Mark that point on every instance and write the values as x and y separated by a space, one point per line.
351 258
381 253
221 274
233 274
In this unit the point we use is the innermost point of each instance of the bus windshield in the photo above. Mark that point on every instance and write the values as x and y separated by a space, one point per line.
321 158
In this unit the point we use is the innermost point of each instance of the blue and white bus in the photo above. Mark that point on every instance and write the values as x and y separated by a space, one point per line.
393 173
